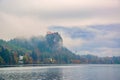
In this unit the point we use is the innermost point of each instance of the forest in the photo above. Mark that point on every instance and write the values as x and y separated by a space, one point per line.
47 49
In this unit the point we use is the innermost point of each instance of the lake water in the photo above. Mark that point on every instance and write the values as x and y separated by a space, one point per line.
62 72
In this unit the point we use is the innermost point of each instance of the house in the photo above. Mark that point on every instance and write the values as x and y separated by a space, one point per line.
20 59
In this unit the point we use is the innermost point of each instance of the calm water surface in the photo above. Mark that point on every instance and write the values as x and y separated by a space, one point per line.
66 72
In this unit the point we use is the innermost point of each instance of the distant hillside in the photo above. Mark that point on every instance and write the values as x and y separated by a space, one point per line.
44 50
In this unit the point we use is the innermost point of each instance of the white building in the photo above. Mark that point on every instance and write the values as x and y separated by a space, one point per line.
20 59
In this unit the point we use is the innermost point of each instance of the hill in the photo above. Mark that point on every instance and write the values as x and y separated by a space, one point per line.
47 49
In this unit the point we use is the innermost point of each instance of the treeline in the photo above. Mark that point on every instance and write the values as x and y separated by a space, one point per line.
8 57
45 50
91 59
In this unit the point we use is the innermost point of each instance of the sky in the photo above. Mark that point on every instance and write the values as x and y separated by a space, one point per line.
86 26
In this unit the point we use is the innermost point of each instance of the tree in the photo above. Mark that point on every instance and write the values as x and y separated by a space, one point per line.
1 60
26 59
6 55
15 56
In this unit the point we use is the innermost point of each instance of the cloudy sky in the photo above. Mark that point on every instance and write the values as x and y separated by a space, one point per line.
87 26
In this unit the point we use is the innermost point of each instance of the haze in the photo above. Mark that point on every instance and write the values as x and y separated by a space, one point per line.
87 27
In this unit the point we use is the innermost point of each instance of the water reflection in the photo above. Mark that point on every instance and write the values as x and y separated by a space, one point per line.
1 78
53 74
32 74
80 72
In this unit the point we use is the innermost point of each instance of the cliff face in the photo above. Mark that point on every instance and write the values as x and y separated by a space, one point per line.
54 40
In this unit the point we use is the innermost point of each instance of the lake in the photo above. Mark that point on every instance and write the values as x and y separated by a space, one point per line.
62 72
